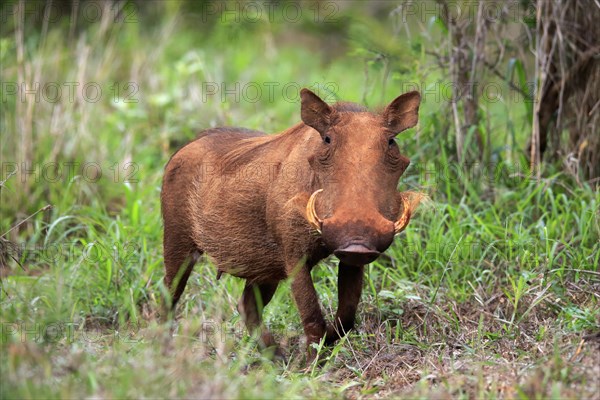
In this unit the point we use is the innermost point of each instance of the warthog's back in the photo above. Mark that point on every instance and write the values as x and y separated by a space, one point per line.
221 205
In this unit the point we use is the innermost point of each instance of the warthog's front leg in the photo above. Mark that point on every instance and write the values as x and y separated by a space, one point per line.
307 302
350 280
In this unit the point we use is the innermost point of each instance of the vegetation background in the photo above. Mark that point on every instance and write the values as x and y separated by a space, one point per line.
492 291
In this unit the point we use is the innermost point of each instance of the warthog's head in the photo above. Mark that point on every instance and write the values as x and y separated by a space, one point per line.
357 165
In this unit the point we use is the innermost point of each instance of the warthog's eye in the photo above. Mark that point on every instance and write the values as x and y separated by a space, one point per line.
327 139
392 155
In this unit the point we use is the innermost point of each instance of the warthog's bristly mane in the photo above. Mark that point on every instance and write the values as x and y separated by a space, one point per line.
345 106
248 148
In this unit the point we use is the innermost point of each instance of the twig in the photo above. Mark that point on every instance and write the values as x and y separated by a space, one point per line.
7 178
540 77
45 208
495 71
577 270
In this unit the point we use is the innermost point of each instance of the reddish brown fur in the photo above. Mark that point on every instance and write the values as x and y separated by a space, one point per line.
240 197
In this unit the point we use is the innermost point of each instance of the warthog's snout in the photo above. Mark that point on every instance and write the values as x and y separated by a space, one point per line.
356 236
357 241
398 226
356 254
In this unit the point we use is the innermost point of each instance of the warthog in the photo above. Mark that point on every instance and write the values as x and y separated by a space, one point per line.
269 207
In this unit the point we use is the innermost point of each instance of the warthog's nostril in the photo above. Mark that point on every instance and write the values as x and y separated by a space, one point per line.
356 254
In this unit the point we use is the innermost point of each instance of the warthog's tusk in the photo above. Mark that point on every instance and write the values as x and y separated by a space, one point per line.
311 213
403 220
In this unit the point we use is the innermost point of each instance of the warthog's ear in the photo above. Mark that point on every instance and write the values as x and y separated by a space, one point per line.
315 112
403 112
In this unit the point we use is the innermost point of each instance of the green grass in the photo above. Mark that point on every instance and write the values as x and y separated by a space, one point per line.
487 294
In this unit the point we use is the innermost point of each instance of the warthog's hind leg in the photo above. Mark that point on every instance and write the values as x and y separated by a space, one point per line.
254 299
178 266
